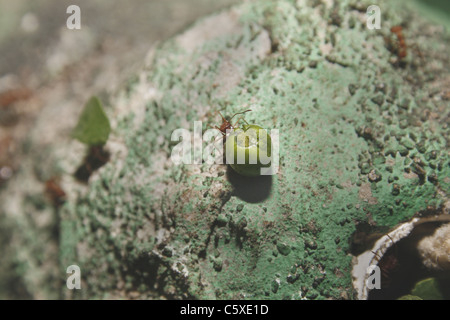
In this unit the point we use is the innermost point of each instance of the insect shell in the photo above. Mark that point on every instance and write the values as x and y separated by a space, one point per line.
247 147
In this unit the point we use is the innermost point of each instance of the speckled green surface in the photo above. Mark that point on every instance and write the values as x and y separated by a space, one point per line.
363 138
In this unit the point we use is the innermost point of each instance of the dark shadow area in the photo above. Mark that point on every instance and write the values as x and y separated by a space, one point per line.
365 237
401 267
148 272
95 159
250 189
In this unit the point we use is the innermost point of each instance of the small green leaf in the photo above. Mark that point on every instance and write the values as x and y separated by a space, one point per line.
93 127
409 297
428 289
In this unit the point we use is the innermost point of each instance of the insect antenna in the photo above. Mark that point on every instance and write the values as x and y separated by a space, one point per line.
239 113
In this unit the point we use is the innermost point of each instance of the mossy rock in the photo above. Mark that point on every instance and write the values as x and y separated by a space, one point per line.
145 227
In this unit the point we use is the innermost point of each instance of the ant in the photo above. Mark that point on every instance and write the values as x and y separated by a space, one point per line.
401 50
11 96
54 191
226 124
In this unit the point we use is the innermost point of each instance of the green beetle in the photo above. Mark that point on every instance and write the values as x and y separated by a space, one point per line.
247 148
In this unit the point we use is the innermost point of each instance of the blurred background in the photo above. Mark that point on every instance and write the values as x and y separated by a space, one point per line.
30 30
45 66
43 63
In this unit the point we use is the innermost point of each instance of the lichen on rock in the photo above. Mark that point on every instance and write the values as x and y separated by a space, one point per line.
146 228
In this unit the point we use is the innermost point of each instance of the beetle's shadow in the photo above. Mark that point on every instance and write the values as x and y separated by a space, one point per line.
250 189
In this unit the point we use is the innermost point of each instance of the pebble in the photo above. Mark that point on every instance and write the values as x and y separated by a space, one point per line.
311 244
395 189
222 219
378 99
218 265
352 89
407 143
167 252
283 248
275 285
433 178
374 176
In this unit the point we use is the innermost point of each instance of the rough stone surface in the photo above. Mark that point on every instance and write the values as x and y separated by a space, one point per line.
361 133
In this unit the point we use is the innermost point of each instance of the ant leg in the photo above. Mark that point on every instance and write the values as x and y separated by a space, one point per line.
241 118
235 125
377 257
392 240
223 118
211 127
239 113
219 137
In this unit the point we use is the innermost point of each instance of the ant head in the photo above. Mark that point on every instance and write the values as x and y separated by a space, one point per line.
226 124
